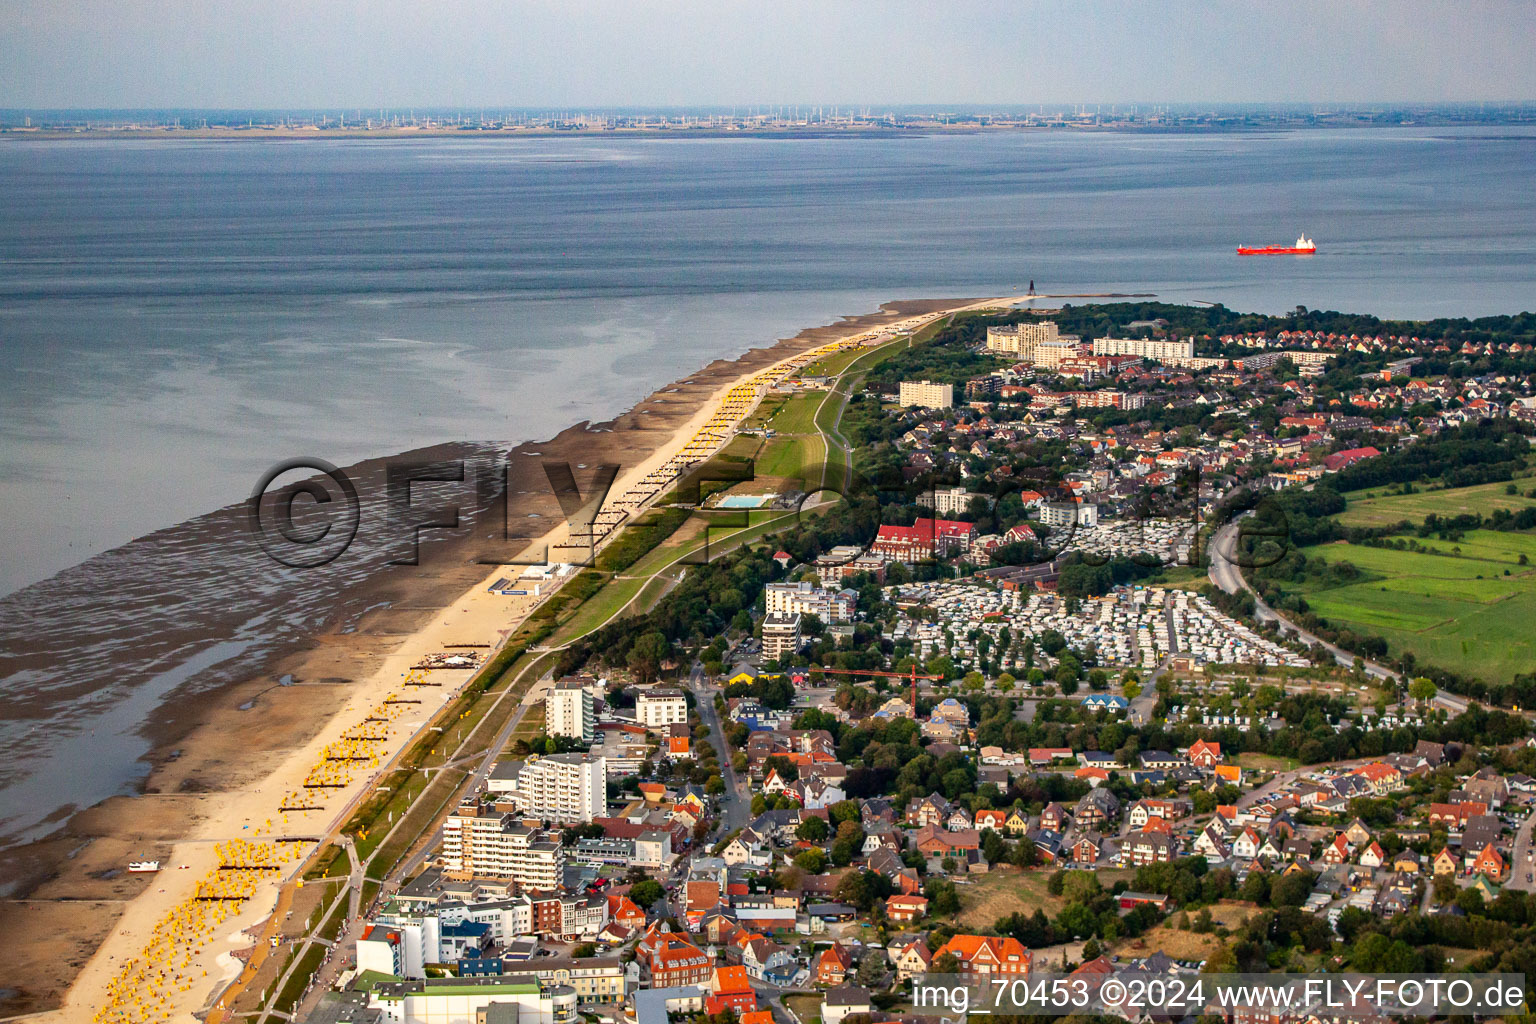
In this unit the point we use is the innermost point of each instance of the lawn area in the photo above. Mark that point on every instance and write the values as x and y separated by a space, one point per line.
807 1008
998 894
1182 945
1374 508
787 456
798 414
1184 577
1458 612
1255 761
834 364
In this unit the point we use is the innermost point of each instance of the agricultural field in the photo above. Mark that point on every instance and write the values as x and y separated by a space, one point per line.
1467 610
1377 508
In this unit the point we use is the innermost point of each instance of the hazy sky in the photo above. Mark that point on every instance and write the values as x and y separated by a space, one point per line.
574 53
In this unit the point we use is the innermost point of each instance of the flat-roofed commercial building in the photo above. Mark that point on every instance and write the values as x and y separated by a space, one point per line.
1020 339
806 598
494 999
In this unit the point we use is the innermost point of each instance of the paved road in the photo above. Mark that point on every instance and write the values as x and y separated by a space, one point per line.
1523 859
735 803
1228 576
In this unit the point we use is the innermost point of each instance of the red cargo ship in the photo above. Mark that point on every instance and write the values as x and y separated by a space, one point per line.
1303 247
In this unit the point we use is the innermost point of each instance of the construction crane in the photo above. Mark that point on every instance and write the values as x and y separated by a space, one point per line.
912 675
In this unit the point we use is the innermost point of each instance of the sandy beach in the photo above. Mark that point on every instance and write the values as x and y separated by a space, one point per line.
236 764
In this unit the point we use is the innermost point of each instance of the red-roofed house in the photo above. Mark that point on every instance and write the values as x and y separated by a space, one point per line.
1203 754
831 966
906 907
730 988
987 954
1491 865
624 911
923 540
1347 457
673 960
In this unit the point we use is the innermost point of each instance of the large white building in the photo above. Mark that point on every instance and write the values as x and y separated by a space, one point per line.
480 841
560 787
1020 339
1145 348
1065 513
1051 354
499 999
569 711
948 501
807 598
781 634
659 708
927 394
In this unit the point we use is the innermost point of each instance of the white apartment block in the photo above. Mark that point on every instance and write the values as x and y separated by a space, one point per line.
1020 339
569 711
948 501
1051 354
1065 513
657 709
561 787
807 598
927 394
482 842
1145 348
781 634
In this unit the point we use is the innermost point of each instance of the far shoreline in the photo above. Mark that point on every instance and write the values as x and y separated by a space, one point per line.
234 134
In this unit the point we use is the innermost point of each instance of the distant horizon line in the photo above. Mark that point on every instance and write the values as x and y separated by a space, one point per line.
956 106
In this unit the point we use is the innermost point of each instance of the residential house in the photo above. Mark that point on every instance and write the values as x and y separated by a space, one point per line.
988 956
831 966
993 819
911 959
1204 754
1140 848
1099 807
906 907
929 810
844 1001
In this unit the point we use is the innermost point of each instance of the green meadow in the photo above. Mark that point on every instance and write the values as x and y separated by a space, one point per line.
1376 508
1457 609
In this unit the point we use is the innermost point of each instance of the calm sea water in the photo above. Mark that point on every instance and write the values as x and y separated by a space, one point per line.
175 317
